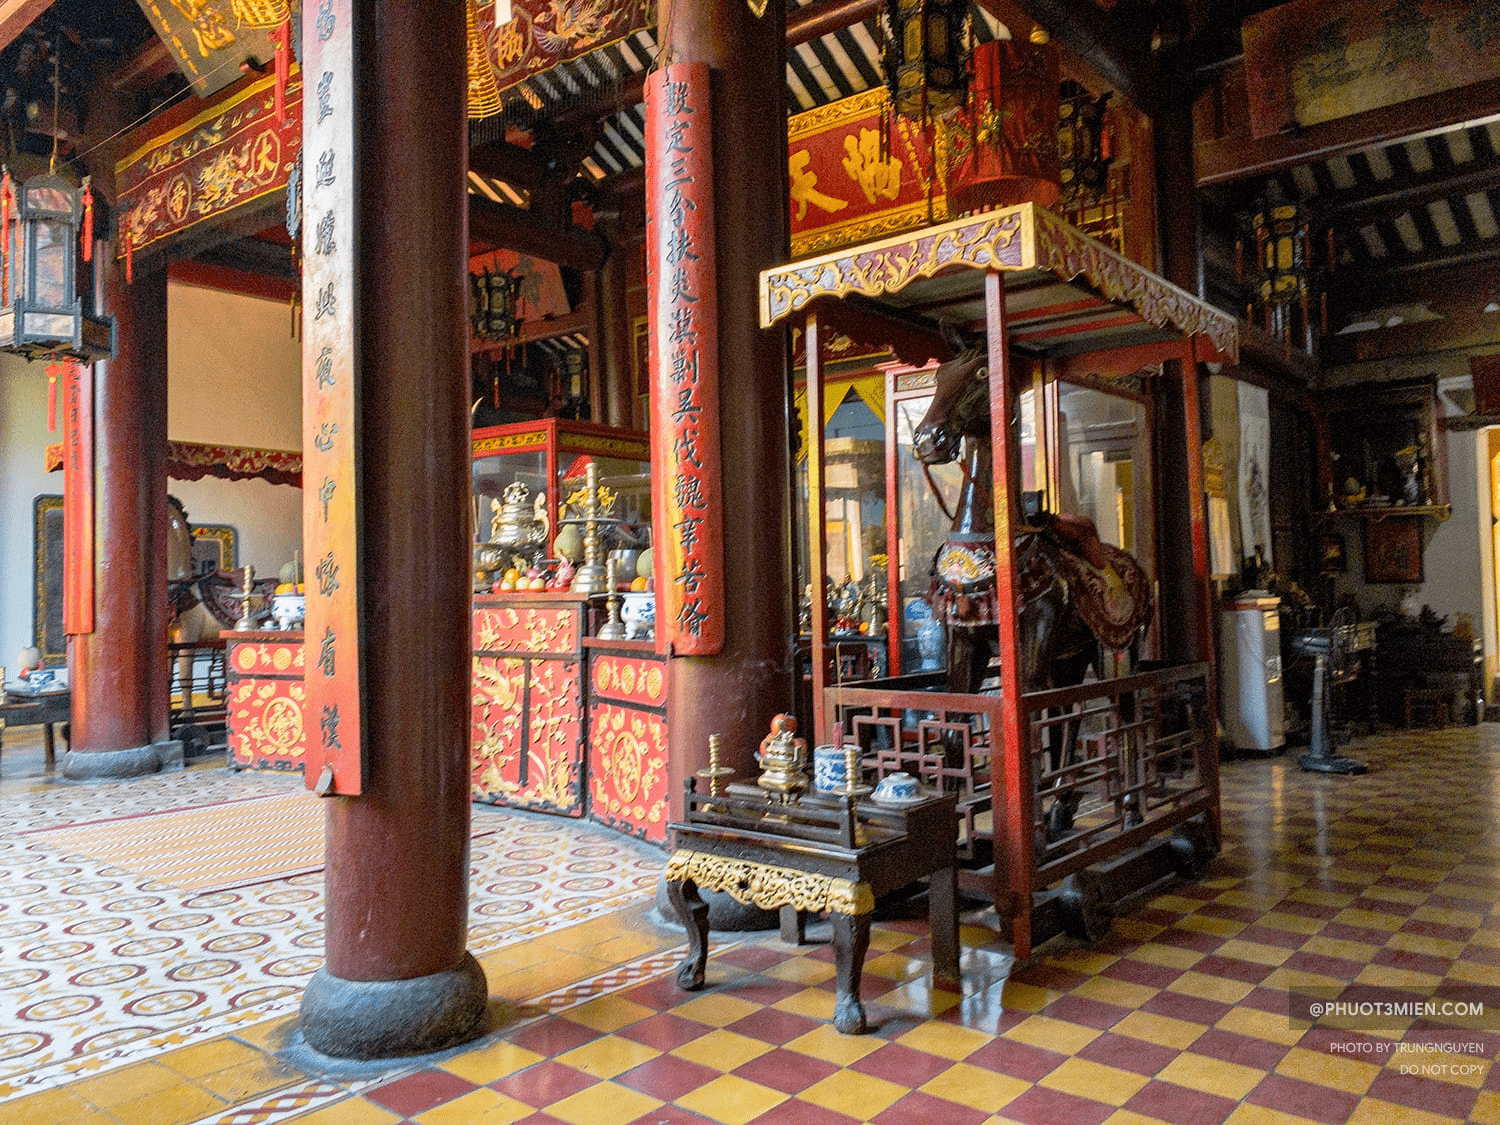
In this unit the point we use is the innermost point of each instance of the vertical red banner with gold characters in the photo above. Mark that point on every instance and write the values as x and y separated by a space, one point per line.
684 360
330 399
78 494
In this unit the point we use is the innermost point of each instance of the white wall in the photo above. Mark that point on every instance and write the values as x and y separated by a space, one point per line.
1452 566
23 443
234 378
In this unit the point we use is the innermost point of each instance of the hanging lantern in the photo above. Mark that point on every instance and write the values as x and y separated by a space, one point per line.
1281 271
1003 146
1084 150
926 55
496 305
43 314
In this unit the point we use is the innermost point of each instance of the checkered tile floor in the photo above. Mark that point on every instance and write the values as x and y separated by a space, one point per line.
1180 1016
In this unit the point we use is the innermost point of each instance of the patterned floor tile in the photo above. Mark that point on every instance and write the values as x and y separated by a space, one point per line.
1180 1016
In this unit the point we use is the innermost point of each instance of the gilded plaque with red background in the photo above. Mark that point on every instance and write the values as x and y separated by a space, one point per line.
233 153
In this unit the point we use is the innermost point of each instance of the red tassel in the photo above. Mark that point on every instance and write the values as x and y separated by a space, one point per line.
53 370
282 37
88 220
7 198
129 252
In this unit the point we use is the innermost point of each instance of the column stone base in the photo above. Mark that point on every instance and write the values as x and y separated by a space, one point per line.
381 1019
114 765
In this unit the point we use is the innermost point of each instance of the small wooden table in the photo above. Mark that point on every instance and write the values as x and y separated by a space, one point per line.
817 854
21 709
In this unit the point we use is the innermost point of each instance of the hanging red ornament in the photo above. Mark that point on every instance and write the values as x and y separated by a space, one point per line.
88 220
53 371
129 236
7 218
282 37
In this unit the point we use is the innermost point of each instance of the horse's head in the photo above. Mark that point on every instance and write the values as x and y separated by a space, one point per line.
960 406
179 543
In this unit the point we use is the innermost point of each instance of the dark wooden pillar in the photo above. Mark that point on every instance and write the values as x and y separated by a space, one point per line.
736 692
118 672
614 405
398 978
1181 617
1176 197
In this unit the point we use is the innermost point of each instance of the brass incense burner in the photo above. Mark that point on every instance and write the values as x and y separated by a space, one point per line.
518 524
782 758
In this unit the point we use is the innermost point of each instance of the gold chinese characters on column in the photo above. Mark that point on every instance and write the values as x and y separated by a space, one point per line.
684 360
330 402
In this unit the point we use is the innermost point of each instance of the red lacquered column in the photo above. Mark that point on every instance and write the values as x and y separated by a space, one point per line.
398 979
118 671
737 691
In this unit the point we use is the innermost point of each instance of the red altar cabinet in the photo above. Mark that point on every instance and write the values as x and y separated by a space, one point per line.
627 751
527 733
265 699
564 722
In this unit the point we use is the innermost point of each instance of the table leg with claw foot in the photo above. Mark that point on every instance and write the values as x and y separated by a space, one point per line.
692 911
851 940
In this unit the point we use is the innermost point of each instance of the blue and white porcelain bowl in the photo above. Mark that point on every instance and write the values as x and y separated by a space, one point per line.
898 789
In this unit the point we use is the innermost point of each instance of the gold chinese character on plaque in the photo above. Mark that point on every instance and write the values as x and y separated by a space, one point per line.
866 167
804 186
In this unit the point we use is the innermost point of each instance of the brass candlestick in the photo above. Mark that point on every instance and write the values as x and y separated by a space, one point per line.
245 597
590 577
613 628
715 770
852 787
853 790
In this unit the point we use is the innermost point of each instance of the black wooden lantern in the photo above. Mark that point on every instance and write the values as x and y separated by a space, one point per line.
42 315
1280 273
927 44
496 316
1083 146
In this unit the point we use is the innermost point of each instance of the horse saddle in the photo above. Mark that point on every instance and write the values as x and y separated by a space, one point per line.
1113 600
1107 587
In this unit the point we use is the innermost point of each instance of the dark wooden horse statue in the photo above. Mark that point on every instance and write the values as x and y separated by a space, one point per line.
201 602
1079 596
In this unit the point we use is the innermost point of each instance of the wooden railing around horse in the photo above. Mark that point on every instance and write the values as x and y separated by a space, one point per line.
1054 836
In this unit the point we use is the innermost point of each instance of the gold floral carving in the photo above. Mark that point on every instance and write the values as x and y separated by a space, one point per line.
1014 238
768 887
876 226
854 108
268 720
989 241
1070 253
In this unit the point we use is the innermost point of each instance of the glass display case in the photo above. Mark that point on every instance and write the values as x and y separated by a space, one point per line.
921 526
528 481
856 588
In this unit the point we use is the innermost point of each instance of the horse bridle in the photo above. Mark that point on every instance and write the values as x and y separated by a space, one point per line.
982 374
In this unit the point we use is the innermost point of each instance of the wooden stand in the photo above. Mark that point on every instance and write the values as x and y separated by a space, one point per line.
828 854
45 708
